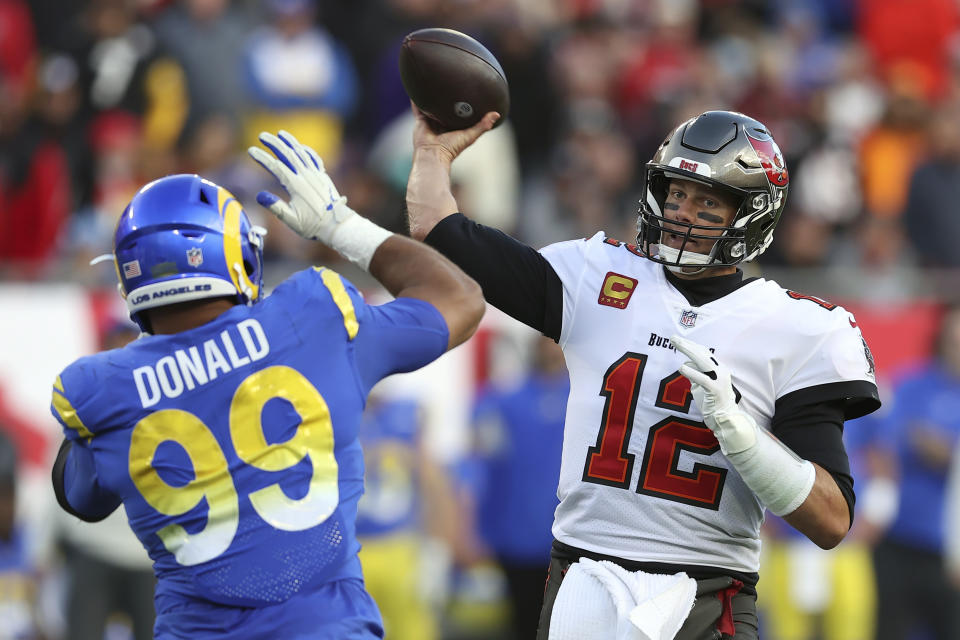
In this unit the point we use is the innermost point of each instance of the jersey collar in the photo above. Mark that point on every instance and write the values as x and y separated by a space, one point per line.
705 290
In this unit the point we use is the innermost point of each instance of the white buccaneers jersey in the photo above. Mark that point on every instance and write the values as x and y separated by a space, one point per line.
642 478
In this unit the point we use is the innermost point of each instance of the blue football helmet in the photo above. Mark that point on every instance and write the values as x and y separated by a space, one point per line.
184 238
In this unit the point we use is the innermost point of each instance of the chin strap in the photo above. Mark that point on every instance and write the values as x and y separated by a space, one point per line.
698 261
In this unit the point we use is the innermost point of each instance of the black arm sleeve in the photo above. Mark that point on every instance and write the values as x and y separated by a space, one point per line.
814 431
515 278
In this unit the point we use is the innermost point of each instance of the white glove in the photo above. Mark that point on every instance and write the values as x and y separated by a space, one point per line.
316 210
779 478
713 391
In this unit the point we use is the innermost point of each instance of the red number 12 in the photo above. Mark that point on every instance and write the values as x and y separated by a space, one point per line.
609 463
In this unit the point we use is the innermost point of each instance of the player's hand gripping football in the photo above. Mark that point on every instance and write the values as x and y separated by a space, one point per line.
449 144
713 392
316 208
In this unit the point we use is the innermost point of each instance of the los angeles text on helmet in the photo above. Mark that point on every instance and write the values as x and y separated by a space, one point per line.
170 292
185 369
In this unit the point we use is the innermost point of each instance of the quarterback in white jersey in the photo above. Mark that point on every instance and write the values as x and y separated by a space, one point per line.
631 422
698 398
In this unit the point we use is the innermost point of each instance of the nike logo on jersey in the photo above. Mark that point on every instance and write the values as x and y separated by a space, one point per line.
616 290
853 323
185 369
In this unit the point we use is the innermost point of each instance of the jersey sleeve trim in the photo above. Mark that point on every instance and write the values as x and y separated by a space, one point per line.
333 283
67 415
860 397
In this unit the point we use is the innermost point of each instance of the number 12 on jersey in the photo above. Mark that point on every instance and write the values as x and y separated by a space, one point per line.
609 463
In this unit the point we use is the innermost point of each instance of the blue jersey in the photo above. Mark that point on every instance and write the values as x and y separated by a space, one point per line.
520 437
391 503
18 588
233 446
925 401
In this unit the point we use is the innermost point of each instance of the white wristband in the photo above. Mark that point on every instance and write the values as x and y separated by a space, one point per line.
780 478
357 238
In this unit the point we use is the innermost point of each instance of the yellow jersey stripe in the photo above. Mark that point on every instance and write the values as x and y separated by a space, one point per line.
66 411
340 296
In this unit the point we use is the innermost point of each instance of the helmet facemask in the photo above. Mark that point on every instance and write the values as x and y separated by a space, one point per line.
733 155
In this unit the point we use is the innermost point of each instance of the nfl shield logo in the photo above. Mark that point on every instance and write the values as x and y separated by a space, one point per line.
688 318
194 257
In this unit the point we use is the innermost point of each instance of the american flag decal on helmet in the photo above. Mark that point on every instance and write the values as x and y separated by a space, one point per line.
131 269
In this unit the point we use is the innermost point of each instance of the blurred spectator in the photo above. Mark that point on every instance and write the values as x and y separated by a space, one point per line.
888 155
815 51
108 570
811 594
59 109
486 176
406 497
910 40
853 103
524 54
207 38
19 582
930 217
214 150
117 143
590 183
913 445
659 66
113 51
585 67
123 71
300 79
372 32
519 437
951 522
35 188
18 49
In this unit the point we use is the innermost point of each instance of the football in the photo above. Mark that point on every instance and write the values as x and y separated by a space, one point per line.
453 79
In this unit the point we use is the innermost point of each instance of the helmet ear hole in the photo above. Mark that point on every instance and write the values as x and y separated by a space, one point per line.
248 267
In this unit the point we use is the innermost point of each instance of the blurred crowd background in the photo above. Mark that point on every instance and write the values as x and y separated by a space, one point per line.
98 97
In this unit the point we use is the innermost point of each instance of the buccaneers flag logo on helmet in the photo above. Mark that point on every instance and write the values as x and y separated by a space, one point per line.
770 157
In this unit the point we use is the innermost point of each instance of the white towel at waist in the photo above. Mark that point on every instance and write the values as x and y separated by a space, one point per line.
603 601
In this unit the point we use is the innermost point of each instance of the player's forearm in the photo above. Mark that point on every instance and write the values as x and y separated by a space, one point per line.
824 516
76 487
429 194
411 269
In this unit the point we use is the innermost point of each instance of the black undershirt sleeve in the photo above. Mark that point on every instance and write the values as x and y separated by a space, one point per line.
515 278
814 431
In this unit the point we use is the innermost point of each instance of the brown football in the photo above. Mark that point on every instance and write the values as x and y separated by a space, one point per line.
452 78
